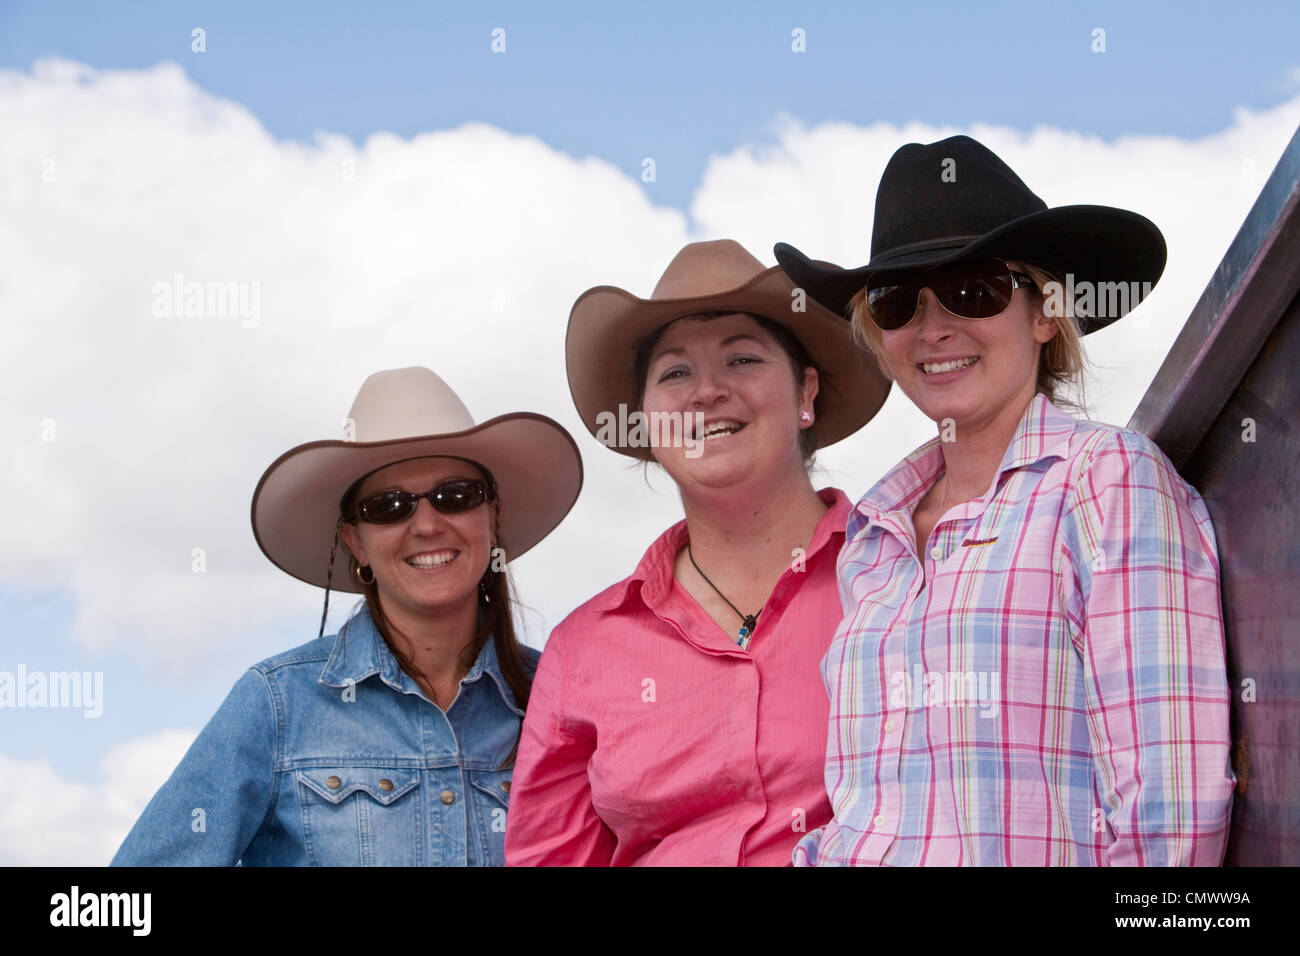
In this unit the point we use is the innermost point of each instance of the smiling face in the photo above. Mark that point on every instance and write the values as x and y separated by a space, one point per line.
431 562
972 371
736 375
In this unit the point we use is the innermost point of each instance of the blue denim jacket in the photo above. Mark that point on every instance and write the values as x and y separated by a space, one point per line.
331 755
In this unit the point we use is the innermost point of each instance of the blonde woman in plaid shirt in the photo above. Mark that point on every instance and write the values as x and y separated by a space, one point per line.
1030 670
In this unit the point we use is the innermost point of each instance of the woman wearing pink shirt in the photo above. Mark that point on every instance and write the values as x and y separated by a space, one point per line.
678 717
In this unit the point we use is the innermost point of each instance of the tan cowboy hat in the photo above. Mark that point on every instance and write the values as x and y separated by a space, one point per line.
398 415
607 324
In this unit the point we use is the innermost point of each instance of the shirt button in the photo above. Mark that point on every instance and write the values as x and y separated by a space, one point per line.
889 726
506 786
936 552
448 797
385 784
880 820
333 782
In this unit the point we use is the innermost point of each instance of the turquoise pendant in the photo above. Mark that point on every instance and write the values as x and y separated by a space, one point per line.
746 629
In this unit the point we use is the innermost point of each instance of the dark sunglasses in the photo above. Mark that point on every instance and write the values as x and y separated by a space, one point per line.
979 289
450 497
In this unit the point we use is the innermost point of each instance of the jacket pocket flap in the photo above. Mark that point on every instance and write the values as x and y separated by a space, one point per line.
336 784
495 783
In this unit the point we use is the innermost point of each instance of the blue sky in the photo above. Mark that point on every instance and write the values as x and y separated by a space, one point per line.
678 81
695 86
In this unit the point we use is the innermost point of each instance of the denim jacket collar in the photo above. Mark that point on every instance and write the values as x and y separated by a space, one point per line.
360 652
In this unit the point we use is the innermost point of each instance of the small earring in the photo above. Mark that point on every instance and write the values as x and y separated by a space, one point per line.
805 416
360 572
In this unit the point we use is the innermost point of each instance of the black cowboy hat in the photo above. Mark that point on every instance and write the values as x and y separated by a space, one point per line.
955 199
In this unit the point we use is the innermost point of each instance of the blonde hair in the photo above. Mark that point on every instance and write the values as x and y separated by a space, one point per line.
1062 365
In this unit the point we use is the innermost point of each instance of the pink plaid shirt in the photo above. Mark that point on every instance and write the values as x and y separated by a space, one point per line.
1053 690
651 738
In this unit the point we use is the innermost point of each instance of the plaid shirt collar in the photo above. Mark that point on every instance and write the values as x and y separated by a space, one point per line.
1044 432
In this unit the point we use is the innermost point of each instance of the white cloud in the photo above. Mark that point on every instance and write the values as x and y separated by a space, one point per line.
462 250
47 820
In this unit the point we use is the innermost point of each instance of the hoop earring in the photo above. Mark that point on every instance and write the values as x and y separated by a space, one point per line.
359 572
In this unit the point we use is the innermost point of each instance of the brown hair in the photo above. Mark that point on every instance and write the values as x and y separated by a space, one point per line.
1062 364
787 340
496 601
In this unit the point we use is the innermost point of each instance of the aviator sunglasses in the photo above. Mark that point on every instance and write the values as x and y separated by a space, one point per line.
979 289
450 497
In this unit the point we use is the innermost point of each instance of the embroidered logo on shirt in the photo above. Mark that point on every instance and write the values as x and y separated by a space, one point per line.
976 543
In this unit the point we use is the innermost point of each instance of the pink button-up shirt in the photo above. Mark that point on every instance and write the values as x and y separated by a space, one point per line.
651 738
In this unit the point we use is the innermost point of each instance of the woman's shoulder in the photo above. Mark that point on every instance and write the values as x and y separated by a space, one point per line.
1118 469
610 600
587 628
314 652
654 568
531 655
1105 446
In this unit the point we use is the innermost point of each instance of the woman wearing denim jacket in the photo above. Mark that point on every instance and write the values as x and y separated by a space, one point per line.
391 742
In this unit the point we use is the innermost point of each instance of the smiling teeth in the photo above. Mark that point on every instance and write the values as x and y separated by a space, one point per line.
429 561
720 428
937 367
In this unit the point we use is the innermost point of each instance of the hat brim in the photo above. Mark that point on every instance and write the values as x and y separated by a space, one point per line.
607 324
536 465
1097 245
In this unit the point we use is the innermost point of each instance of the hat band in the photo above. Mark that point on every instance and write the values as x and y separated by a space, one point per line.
929 245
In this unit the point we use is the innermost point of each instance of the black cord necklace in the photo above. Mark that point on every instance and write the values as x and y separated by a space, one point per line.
747 621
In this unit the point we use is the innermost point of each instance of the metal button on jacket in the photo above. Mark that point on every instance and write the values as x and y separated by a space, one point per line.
448 797
333 782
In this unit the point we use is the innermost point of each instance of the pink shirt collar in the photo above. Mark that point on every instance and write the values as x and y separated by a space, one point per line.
653 577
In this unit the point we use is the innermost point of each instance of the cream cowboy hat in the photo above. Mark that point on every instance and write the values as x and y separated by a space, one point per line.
606 324
398 415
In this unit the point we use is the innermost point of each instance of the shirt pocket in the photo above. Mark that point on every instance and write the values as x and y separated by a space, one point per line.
361 816
491 801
